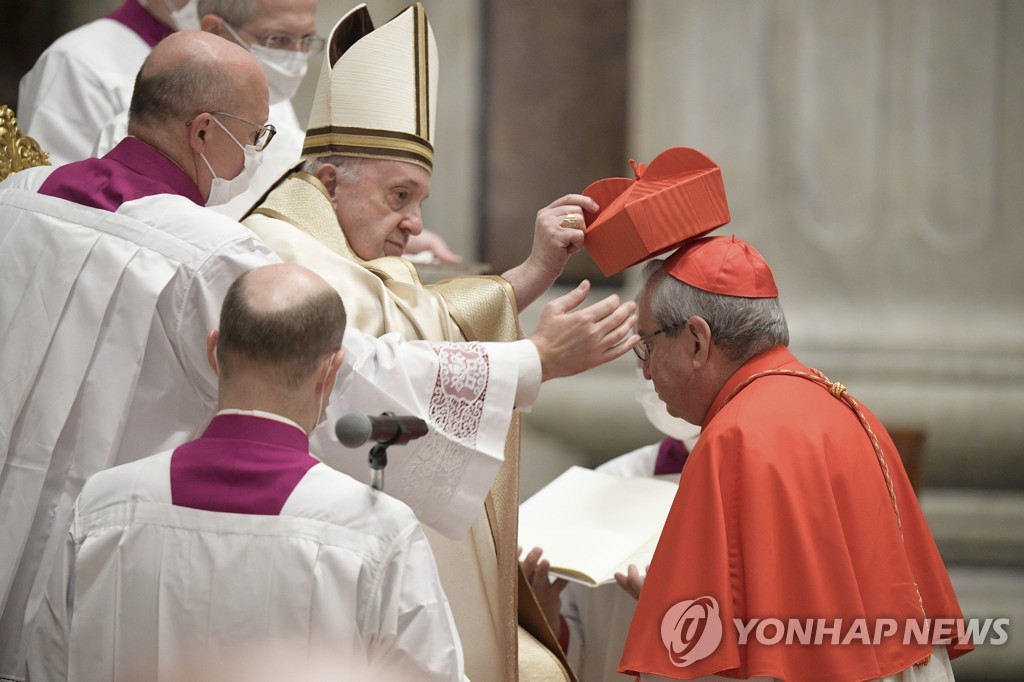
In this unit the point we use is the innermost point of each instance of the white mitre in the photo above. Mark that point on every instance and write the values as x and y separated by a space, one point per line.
377 92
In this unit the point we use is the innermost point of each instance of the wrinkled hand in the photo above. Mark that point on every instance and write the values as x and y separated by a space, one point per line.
571 341
548 591
553 243
633 581
433 242
552 246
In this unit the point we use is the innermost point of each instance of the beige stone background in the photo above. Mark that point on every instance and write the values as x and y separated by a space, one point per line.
873 151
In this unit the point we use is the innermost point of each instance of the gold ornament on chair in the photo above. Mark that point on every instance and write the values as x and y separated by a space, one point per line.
17 150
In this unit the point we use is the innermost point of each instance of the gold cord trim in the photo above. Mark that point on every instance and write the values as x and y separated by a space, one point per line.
839 392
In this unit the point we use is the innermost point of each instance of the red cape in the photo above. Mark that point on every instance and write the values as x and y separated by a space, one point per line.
783 513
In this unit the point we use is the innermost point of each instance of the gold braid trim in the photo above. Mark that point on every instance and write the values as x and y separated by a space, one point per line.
839 392
483 306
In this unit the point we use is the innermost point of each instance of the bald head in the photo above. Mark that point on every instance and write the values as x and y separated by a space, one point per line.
279 287
280 321
191 72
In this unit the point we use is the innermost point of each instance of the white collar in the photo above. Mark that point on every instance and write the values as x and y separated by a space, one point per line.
263 415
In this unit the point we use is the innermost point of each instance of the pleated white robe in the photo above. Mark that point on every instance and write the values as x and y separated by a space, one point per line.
103 320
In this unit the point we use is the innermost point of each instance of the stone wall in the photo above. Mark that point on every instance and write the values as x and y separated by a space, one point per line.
873 152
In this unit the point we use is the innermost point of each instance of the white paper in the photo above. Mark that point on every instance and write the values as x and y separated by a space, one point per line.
592 525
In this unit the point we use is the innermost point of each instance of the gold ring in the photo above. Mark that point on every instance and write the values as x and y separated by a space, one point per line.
571 221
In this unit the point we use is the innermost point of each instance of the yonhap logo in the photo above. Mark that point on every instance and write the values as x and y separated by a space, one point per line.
691 630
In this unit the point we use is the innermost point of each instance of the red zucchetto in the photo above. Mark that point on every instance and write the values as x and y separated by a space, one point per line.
722 265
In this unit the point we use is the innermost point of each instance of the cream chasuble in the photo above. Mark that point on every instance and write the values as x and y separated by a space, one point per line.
479 571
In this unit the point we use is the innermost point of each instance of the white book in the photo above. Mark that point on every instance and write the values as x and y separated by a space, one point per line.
593 525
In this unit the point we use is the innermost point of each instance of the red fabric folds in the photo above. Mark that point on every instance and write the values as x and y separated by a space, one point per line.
783 513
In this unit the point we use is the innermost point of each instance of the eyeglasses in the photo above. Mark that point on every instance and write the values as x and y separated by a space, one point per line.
310 45
306 44
643 346
264 133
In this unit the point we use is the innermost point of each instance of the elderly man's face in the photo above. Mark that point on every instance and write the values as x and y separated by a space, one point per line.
381 208
669 366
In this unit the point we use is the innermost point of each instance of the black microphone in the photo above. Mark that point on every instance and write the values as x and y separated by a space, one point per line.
355 428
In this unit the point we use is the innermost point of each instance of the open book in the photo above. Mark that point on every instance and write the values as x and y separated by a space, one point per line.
592 525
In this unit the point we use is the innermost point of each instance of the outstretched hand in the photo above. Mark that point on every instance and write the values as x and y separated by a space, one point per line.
548 591
571 341
632 581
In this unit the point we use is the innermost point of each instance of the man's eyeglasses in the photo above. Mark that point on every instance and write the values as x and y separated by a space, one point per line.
264 133
306 44
643 346
310 45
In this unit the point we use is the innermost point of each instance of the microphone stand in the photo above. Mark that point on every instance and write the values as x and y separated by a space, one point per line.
378 460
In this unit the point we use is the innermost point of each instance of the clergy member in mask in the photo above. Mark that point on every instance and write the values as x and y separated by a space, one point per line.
281 36
354 581
116 367
85 78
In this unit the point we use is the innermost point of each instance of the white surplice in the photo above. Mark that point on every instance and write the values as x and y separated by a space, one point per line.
82 81
104 319
341 581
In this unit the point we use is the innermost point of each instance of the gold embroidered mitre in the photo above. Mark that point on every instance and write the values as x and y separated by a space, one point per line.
377 92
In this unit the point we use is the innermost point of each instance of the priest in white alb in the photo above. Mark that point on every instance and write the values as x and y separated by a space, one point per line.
238 555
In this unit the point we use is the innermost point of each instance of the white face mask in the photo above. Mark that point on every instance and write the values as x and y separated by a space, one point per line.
184 19
284 69
222 190
322 413
657 413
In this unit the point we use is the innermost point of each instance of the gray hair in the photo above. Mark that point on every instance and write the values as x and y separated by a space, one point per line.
741 327
234 12
348 166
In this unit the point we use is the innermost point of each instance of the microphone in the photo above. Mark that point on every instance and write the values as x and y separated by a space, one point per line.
355 428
